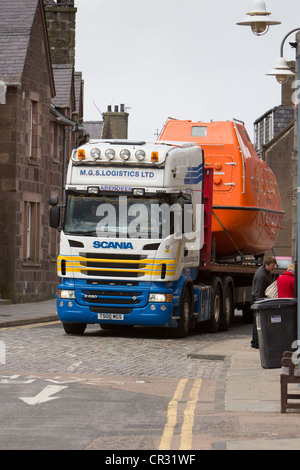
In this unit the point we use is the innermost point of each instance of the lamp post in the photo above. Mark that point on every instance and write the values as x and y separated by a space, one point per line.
282 73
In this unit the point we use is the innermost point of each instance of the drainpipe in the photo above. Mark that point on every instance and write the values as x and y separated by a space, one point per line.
69 126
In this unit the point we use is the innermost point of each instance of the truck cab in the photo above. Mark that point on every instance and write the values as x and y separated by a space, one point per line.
131 234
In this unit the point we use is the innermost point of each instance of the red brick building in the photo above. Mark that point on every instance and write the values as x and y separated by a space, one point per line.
41 113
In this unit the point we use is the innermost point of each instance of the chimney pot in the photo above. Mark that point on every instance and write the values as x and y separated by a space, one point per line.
66 3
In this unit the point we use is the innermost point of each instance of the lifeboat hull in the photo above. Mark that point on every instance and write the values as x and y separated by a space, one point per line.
247 208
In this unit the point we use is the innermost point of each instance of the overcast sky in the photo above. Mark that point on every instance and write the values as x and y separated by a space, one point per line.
185 59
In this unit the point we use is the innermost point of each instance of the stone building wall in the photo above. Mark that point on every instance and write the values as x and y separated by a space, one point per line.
29 172
278 156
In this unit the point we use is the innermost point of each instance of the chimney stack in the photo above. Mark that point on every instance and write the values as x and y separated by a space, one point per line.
115 125
61 23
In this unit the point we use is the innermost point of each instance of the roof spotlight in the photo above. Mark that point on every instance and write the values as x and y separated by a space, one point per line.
125 154
110 154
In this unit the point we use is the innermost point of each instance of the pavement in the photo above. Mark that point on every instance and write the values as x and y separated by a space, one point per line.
27 313
249 404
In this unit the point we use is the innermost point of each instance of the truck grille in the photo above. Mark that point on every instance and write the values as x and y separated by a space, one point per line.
115 297
112 265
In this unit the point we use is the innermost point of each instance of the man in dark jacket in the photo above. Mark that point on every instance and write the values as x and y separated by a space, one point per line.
262 279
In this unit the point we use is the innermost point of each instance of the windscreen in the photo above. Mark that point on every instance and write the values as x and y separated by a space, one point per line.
126 216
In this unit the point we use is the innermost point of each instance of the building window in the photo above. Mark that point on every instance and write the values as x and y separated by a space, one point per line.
33 129
256 136
259 136
32 231
271 132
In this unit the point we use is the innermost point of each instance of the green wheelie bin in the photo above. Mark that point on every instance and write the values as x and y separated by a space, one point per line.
276 321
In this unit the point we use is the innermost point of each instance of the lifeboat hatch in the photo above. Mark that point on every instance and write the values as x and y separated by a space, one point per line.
223 171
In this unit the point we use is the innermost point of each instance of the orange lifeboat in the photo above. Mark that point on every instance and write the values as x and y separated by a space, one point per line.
247 208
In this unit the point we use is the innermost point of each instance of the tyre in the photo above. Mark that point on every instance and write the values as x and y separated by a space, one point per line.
217 306
183 327
74 328
228 308
105 326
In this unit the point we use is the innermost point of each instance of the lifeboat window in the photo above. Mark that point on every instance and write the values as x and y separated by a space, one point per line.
246 134
199 131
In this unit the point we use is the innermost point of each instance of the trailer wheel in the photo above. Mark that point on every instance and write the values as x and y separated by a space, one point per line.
74 328
183 327
217 306
228 304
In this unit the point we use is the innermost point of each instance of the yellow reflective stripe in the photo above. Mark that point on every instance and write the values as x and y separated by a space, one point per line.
151 271
148 266
147 272
74 259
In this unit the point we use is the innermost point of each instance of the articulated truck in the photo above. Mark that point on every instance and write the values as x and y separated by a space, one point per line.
135 241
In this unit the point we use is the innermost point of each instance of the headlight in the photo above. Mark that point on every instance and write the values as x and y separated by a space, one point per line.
138 191
66 294
110 154
140 155
125 154
160 297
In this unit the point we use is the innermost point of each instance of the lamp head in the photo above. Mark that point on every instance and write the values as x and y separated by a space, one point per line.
281 71
258 18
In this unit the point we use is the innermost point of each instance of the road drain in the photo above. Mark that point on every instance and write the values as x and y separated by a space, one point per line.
207 357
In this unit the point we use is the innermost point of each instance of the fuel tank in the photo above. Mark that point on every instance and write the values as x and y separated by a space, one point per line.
247 208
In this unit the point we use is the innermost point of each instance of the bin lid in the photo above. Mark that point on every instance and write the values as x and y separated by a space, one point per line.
273 303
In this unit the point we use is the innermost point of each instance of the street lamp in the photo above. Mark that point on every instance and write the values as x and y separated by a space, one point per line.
259 18
282 74
281 71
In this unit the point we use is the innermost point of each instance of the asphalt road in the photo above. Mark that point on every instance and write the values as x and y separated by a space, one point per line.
108 389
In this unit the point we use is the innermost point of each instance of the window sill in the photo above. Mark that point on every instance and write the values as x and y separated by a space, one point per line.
28 264
33 161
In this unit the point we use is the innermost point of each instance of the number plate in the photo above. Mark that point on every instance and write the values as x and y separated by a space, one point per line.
110 316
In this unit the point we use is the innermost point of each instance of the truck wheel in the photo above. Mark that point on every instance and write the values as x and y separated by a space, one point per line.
105 326
183 327
227 316
74 328
217 306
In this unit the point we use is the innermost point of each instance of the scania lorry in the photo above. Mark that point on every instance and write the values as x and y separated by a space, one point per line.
135 241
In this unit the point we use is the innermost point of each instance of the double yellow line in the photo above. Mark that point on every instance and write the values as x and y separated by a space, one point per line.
186 434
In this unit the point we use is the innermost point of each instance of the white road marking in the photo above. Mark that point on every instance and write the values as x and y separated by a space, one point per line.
14 380
44 395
